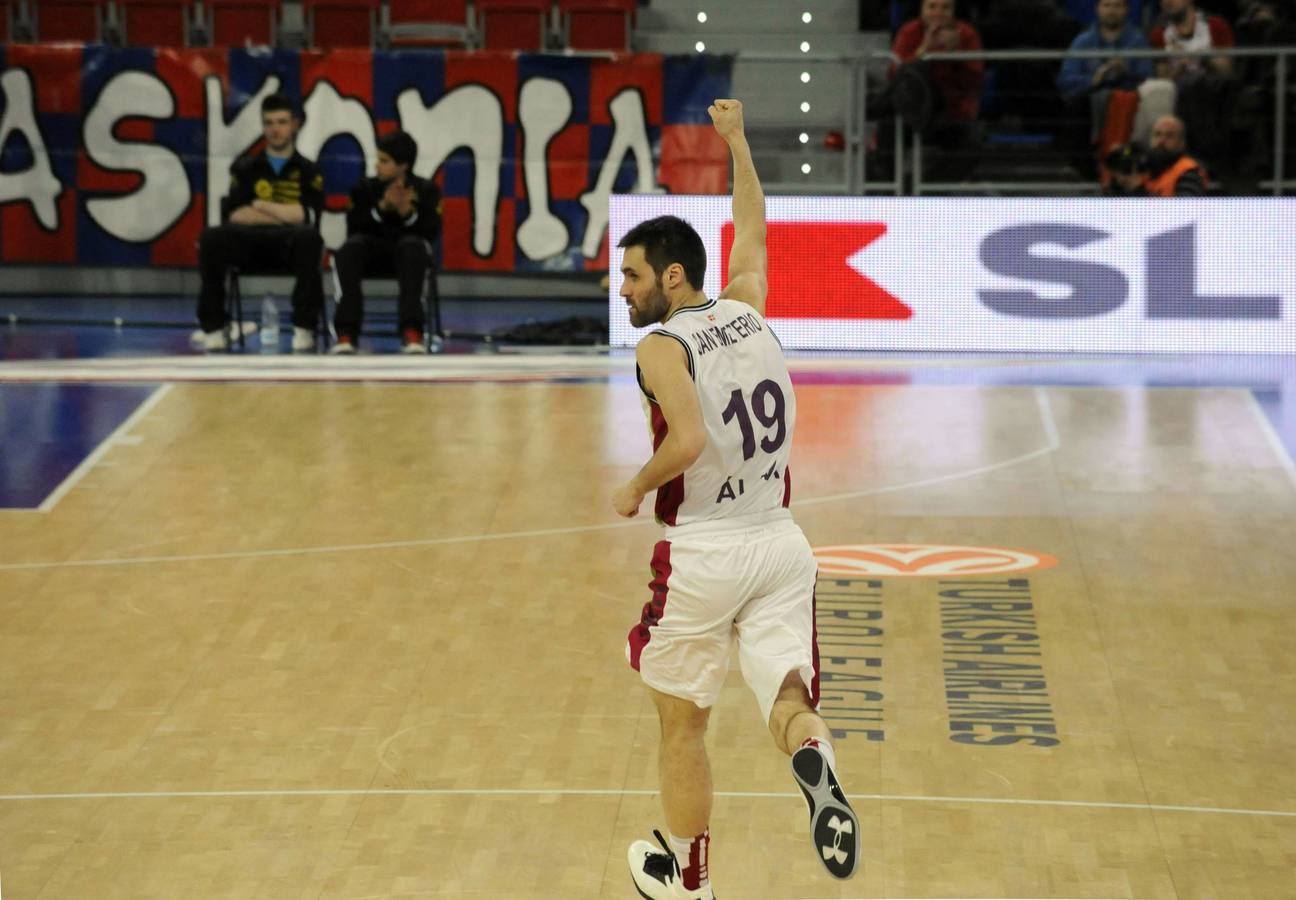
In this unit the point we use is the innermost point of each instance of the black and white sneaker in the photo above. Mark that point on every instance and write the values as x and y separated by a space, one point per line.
834 827
656 873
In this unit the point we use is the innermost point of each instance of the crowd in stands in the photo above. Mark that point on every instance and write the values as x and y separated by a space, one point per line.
1217 110
1085 107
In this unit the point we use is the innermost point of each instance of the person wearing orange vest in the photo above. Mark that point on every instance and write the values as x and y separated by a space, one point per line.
1170 172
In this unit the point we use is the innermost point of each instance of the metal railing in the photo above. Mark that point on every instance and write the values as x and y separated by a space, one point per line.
908 172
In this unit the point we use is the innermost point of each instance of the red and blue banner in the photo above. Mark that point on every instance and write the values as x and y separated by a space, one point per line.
119 156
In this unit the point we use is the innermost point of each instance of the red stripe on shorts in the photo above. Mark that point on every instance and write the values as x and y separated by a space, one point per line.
787 486
655 608
671 494
814 650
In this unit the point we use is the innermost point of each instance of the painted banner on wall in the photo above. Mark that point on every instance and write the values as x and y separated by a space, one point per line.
119 156
1036 274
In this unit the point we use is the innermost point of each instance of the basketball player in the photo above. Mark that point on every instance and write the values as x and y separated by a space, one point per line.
732 563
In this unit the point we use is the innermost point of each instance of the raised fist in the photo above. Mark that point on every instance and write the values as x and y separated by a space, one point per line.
727 117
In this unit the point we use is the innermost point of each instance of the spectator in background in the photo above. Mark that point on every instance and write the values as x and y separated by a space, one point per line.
1083 11
1205 84
1022 93
1164 171
1263 23
392 223
1111 30
272 219
940 99
1088 85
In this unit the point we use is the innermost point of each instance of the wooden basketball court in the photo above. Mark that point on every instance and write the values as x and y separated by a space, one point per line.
366 640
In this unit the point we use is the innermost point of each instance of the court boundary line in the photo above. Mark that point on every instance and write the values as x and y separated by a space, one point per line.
1051 446
73 478
1285 461
615 792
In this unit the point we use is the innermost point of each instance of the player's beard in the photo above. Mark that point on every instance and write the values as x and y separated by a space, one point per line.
653 308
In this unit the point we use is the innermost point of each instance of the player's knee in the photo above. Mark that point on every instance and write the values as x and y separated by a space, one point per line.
792 700
783 712
681 720
793 690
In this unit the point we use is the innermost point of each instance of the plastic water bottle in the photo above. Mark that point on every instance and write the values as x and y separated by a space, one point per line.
269 324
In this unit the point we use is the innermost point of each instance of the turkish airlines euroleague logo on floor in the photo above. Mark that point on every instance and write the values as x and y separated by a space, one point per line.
809 277
926 560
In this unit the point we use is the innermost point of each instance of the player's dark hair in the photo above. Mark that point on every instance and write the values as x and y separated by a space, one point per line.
666 240
276 102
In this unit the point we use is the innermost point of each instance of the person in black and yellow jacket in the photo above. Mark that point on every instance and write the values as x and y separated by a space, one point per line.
271 220
392 222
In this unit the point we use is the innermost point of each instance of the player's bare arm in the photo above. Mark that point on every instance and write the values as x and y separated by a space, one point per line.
747 270
664 368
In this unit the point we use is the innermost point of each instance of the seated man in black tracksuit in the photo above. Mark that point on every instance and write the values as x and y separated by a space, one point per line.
393 220
274 207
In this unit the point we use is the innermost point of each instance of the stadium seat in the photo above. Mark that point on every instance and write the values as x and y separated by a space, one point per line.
69 20
340 23
233 23
428 23
385 270
597 24
512 24
155 23
7 12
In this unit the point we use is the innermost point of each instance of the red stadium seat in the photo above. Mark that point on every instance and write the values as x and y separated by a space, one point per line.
234 23
69 20
513 24
597 24
155 23
435 23
340 23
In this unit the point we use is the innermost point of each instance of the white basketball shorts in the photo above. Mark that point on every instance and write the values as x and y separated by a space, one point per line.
712 587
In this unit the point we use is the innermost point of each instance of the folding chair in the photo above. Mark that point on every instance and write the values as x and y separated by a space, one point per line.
156 23
78 21
433 336
428 23
236 23
597 24
234 293
340 23
234 304
513 24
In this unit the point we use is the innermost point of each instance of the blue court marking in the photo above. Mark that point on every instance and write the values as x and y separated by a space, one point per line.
1271 379
47 430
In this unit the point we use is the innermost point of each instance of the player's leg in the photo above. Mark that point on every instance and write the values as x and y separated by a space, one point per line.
682 656
350 262
780 662
412 256
305 247
216 248
793 720
684 773
682 764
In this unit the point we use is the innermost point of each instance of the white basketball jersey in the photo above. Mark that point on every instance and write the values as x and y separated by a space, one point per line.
748 409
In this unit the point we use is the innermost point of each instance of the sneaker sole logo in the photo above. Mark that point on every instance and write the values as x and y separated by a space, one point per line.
926 560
